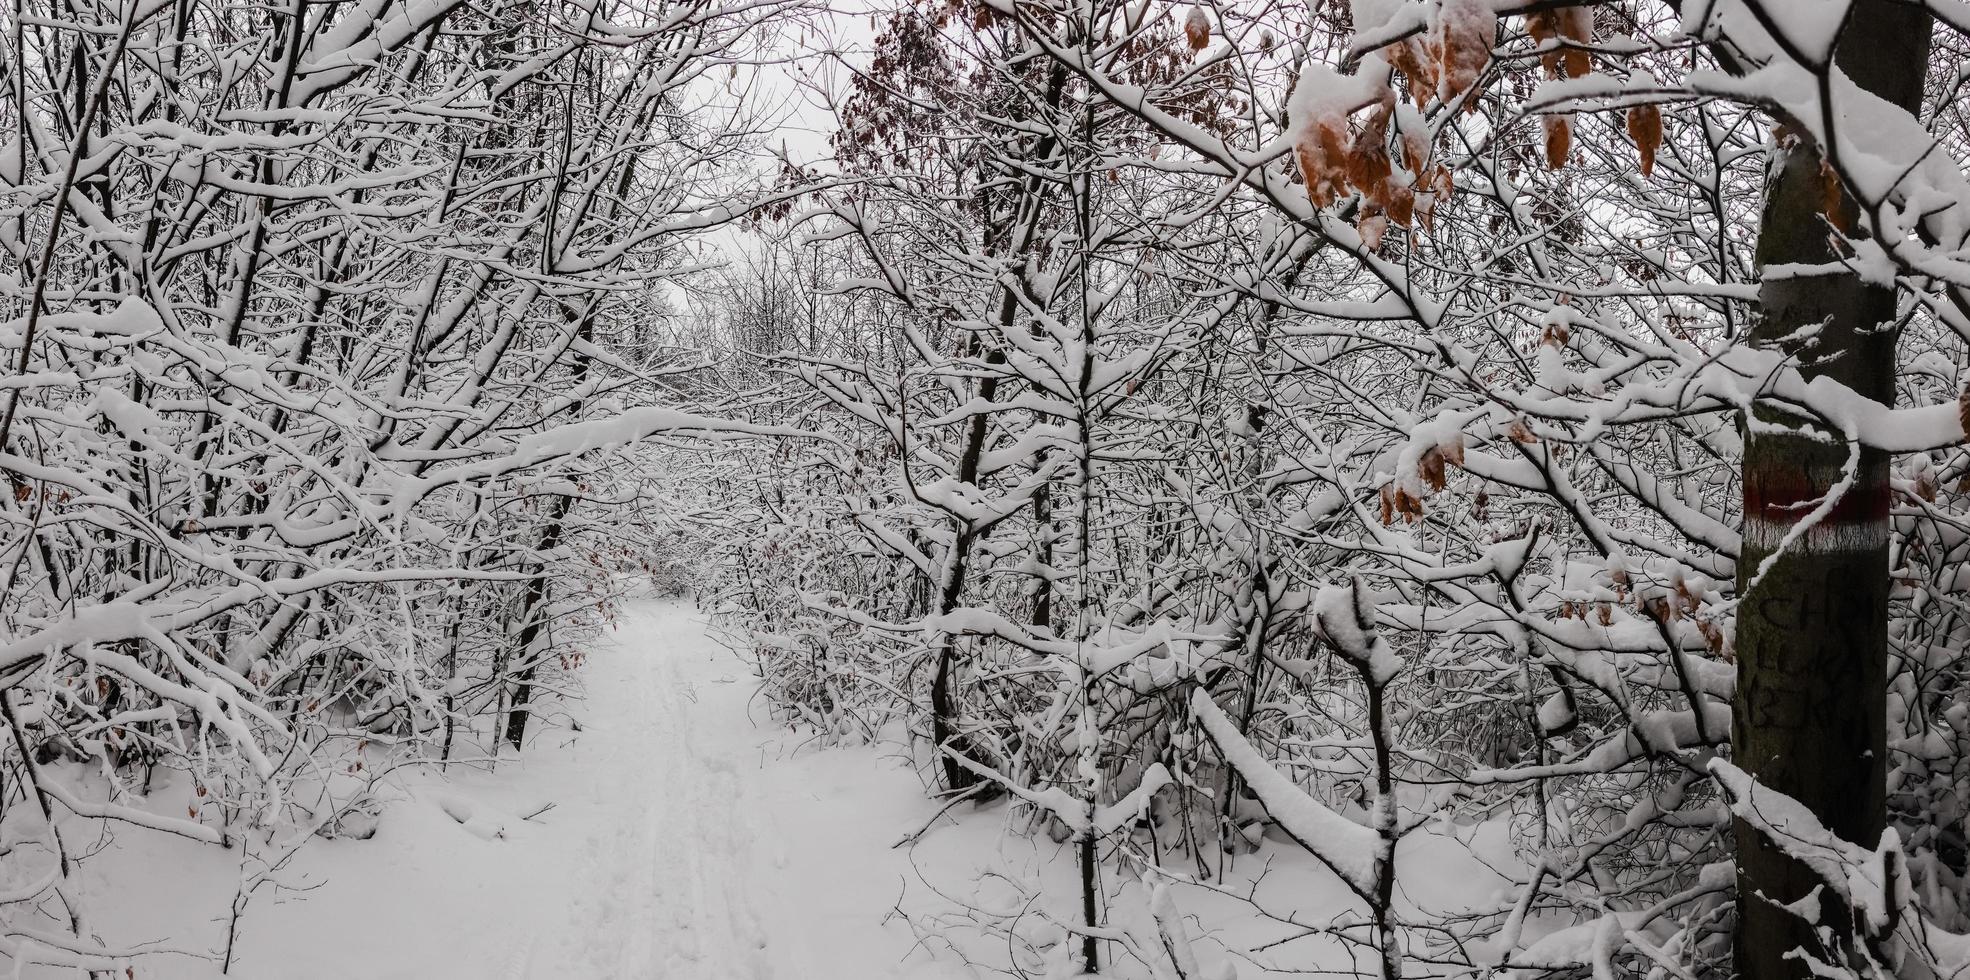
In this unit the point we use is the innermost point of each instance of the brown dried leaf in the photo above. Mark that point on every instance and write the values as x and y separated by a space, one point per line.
1559 141
1645 128
1322 156
1543 26
1465 30
1713 637
1686 601
1576 24
1416 59
1409 507
1831 198
1310 168
1371 228
1926 485
1441 183
1401 204
1415 151
1197 28
1430 468
1368 155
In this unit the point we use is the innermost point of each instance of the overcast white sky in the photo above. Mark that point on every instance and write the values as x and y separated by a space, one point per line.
792 93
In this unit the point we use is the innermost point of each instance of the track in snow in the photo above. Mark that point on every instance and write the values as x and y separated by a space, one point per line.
667 881
684 842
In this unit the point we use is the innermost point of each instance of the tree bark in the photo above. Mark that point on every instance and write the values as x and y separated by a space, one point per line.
1812 630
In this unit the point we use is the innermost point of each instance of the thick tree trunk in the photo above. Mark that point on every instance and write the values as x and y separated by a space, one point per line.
1812 630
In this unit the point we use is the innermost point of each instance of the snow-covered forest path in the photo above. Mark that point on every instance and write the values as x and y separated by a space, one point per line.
675 839
685 841
658 828
701 851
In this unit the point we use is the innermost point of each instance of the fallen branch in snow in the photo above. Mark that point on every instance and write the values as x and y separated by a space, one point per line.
957 797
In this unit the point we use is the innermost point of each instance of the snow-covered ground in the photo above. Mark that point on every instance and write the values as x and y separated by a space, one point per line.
684 841
667 830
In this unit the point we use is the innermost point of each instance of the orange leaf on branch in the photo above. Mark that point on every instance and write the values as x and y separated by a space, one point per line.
1401 205
1576 25
1368 156
1415 154
1409 507
1416 58
1559 140
1543 26
1430 467
1371 226
1318 109
1322 156
1573 28
1197 28
1645 128
1464 32
1832 198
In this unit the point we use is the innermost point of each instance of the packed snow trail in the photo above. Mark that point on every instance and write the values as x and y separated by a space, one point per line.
657 828
660 829
684 870
665 887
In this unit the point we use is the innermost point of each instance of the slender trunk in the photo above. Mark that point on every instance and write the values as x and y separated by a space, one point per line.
534 616
1383 820
943 710
1090 910
1043 552
1013 239
534 611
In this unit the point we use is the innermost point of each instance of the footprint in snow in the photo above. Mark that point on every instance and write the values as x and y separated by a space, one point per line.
478 821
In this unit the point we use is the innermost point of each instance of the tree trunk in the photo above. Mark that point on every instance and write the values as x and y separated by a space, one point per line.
1809 717
534 615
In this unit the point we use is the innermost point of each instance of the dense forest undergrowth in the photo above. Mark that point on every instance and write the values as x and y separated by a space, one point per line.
1367 429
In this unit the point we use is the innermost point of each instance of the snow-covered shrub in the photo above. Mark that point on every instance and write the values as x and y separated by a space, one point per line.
320 433
1163 345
